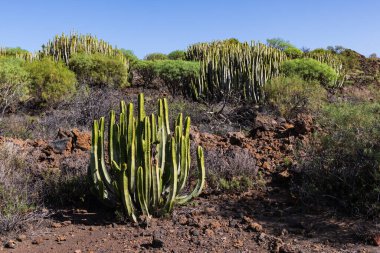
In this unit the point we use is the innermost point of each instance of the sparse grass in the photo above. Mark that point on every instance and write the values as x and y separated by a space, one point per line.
343 164
292 95
25 190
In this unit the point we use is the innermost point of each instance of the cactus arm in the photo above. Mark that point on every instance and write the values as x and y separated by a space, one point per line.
184 164
97 185
201 179
166 115
147 158
154 128
123 139
101 161
140 191
156 189
173 178
111 136
141 107
131 149
126 197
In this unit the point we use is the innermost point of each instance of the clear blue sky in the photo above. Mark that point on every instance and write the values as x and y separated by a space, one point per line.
146 26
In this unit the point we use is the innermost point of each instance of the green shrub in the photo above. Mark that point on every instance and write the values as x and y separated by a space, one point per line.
279 43
292 95
177 75
293 52
177 55
310 70
289 49
351 59
14 80
236 184
145 71
319 51
155 57
51 82
129 55
97 69
343 164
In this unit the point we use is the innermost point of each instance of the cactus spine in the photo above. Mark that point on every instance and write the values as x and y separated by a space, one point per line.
148 166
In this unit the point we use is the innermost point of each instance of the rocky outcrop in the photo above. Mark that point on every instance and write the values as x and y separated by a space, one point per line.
45 155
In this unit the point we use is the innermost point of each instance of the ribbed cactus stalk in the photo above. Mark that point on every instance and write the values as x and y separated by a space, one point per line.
242 69
63 46
238 69
147 166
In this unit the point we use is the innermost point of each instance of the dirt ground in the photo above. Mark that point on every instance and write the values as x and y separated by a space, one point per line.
248 222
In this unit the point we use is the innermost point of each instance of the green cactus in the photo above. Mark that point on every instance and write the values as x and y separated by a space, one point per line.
242 69
234 69
148 167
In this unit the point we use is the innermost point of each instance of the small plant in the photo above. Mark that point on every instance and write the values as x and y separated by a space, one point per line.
236 184
149 167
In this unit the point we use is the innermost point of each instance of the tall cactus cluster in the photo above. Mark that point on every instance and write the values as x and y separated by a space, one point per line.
240 69
148 166
62 47
27 56
333 61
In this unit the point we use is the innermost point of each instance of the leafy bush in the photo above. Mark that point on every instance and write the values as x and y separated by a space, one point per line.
97 69
279 43
14 80
293 52
289 49
319 51
156 57
51 82
336 49
177 55
129 55
310 70
343 165
351 59
292 95
177 75
145 72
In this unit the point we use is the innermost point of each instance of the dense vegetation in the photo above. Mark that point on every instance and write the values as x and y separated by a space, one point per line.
74 79
50 82
101 70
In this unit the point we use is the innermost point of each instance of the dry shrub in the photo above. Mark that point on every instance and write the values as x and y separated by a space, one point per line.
19 193
230 170
342 165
